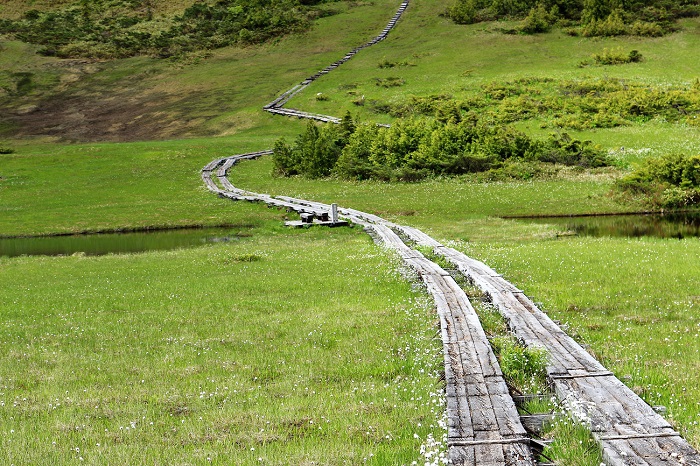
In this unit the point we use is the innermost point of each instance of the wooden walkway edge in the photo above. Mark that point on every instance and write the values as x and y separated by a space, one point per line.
277 106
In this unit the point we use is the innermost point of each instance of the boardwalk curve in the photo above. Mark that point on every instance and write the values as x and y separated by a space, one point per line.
484 427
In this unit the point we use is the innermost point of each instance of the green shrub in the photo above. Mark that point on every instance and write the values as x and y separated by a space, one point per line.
613 25
391 81
642 28
539 20
616 57
676 197
463 12
123 28
570 104
413 149
579 17
671 181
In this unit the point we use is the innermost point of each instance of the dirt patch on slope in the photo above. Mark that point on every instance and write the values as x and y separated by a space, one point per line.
118 117
86 106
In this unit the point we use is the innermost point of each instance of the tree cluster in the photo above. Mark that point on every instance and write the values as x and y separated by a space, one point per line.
584 17
124 28
416 148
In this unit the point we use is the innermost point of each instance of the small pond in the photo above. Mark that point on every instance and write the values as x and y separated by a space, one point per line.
673 225
114 243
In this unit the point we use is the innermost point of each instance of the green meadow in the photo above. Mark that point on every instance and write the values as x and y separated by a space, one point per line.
236 353
304 347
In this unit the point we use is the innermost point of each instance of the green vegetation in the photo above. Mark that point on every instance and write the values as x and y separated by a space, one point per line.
416 148
572 443
672 181
586 17
523 368
124 28
213 354
615 57
634 302
571 104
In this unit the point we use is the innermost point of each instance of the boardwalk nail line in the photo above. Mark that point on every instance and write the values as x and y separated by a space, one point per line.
467 443
583 372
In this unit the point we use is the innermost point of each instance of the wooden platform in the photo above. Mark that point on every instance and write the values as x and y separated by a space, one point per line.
277 106
483 425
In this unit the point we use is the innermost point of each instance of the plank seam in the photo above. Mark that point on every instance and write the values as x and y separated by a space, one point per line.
470 443
639 436
580 376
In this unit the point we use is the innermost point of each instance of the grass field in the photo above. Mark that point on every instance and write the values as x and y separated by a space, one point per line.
215 355
184 322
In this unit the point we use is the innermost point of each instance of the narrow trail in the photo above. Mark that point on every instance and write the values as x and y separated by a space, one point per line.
484 427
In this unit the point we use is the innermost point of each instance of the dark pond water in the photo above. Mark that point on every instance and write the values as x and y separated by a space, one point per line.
114 243
677 225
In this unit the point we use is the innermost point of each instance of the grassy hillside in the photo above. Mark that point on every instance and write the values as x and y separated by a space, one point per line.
144 98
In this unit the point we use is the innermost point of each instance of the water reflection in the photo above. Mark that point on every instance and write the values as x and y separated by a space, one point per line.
673 225
114 243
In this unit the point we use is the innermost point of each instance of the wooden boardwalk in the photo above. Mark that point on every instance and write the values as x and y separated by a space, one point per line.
483 424
628 430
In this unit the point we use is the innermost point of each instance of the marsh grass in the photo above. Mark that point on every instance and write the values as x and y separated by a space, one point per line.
573 444
217 354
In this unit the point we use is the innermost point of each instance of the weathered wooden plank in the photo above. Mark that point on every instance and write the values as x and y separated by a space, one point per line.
638 411
517 454
621 453
582 356
462 456
483 416
489 454
535 422
678 451
507 418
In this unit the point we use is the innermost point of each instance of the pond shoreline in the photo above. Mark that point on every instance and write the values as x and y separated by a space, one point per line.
148 229
606 214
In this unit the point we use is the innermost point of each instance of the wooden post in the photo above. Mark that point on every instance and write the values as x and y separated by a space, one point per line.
334 213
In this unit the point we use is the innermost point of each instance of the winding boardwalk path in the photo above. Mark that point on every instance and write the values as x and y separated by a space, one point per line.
484 427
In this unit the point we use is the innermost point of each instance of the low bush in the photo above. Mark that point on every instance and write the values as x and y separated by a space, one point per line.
569 104
672 181
539 20
616 57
